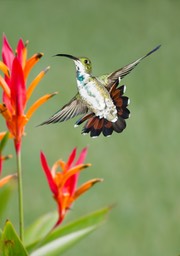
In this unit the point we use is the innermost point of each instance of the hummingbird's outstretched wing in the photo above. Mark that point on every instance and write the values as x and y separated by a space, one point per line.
73 108
108 80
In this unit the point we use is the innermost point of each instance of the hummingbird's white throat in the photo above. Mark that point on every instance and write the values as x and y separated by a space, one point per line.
82 75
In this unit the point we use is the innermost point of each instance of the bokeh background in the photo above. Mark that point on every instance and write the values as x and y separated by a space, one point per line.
140 167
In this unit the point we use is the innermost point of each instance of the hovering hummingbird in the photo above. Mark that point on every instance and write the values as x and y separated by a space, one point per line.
99 97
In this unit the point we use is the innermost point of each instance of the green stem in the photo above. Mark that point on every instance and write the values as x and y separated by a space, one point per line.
20 195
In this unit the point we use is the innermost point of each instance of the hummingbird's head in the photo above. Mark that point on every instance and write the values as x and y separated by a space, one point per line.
83 64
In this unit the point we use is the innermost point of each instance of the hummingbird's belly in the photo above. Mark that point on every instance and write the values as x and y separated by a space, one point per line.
98 100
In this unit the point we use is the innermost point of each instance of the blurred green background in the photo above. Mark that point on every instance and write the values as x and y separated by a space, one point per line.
140 167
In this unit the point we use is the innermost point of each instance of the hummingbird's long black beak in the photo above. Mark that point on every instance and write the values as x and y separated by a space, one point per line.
66 55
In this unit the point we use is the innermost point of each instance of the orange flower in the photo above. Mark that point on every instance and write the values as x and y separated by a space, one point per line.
63 184
16 68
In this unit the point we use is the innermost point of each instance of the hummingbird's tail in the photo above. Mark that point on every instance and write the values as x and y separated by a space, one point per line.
95 126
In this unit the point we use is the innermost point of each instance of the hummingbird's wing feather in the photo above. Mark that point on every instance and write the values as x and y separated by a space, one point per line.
108 80
73 108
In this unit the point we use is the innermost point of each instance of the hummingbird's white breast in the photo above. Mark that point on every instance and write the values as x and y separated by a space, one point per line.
97 98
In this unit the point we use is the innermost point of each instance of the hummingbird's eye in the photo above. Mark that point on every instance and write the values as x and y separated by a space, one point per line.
86 62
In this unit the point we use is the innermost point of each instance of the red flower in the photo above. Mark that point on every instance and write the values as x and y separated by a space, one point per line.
16 68
64 184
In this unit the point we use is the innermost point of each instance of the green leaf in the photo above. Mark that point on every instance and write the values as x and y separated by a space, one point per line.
0 234
4 141
61 244
39 229
5 193
10 244
91 219
62 238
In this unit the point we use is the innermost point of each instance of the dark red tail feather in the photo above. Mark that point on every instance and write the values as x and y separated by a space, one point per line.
95 125
83 119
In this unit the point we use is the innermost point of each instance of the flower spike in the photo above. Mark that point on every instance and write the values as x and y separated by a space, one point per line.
63 185
16 69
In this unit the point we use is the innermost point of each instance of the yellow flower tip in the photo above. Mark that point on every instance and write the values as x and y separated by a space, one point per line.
46 69
2 108
7 179
80 167
39 55
85 187
7 73
15 175
2 134
97 180
53 94
92 182
26 43
87 165
7 157
5 112
83 166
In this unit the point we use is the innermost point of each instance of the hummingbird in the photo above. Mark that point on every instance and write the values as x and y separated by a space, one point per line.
99 98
